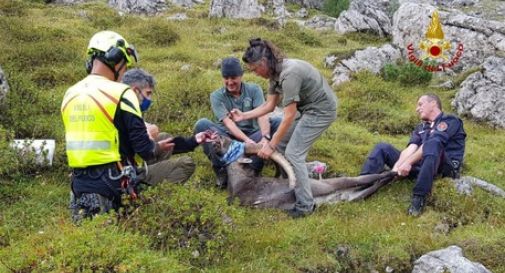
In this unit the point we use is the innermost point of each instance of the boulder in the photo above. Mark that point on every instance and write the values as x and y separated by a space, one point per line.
474 38
302 13
447 260
482 94
186 3
178 17
458 3
238 9
4 86
371 58
280 12
321 22
147 7
365 16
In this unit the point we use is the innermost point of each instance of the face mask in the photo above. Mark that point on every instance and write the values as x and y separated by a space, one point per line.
145 104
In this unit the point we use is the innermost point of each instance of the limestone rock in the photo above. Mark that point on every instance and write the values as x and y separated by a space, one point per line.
186 3
482 94
4 86
365 16
371 58
321 22
238 9
448 260
302 13
147 7
178 17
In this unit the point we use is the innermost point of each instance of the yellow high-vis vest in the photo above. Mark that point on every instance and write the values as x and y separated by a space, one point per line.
88 110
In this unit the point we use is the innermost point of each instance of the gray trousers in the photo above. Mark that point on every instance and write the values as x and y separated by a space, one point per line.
296 144
162 168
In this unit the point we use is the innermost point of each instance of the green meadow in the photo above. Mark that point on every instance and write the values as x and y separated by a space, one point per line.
191 227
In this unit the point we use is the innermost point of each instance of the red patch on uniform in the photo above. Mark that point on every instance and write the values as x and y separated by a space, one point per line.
442 126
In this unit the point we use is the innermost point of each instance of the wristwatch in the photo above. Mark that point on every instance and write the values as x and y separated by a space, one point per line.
268 137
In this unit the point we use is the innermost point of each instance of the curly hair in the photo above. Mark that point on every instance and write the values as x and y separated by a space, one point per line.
259 49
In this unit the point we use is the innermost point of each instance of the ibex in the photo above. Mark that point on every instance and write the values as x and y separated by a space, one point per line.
273 192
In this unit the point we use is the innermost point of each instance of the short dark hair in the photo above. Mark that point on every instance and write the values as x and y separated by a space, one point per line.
139 78
434 97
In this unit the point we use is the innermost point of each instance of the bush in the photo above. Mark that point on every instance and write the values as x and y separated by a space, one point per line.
407 74
411 74
333 8
184 220
390 72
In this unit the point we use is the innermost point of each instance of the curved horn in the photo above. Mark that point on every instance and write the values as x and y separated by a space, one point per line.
277 158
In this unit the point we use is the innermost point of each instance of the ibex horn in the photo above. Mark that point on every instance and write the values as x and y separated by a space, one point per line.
277 158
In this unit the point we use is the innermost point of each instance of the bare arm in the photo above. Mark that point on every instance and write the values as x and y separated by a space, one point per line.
288 118
264 124
263 109
235 131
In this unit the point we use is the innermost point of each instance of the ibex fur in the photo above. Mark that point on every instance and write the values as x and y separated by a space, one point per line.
270 192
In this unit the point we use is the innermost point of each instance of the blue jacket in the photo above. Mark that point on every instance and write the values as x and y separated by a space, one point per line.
447 129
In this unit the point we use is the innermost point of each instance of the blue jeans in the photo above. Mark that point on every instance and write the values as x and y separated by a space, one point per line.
205 124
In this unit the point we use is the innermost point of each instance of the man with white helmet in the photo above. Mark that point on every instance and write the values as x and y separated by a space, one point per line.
104 129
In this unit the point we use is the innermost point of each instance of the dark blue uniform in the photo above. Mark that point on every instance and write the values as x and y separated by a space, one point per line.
443 149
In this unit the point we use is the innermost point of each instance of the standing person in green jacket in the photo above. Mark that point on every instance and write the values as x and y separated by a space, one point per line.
300 88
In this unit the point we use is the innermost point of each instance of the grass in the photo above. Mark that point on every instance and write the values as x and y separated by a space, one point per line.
43 59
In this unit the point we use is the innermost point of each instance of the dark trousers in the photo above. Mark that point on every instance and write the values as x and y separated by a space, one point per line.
434 162
205 124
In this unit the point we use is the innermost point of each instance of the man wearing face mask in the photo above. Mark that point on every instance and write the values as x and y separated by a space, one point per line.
160 168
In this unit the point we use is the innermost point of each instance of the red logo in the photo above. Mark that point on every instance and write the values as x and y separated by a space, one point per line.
434 48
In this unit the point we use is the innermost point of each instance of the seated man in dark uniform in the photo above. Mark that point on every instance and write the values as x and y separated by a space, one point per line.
436 146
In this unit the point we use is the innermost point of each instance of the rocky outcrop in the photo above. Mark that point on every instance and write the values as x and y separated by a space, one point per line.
365 16
371 58
482 94
310 4
447 260
321 22
147 7
458 3
186 3
476 38
4 86
238 9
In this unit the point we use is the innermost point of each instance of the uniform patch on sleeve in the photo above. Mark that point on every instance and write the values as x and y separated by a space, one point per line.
442 126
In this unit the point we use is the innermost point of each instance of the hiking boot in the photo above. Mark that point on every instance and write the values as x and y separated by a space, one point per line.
297 213
416 208
221 178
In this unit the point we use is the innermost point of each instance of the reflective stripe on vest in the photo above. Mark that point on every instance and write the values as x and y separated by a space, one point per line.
88 110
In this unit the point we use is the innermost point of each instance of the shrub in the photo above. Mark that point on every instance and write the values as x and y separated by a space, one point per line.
184 220
407 74
390 72
411 74
333 8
